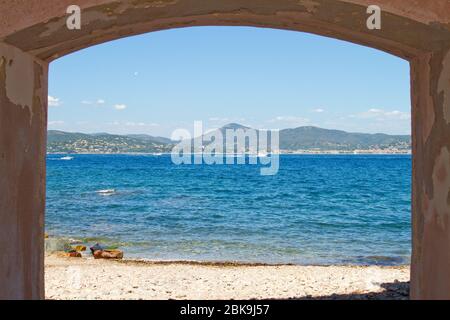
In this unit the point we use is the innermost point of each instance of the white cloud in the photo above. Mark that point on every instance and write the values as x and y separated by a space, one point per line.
135 124
371 121
380 114
53 102
56 123
218 119
292 119
98 102
132 124
399 114
319 110
281 122
120 106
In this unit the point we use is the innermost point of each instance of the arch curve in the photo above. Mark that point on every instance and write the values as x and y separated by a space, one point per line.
45 35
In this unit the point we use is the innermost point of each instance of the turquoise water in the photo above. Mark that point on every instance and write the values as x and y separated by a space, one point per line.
319 209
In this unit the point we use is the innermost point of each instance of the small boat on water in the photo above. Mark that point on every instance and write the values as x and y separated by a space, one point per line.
106 192
262 154
67 158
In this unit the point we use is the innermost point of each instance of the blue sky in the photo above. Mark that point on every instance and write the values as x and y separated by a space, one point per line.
263 78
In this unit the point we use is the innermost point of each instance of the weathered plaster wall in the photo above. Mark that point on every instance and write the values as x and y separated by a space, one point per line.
23 118
416 30
425 11
27 13
430 270
408 29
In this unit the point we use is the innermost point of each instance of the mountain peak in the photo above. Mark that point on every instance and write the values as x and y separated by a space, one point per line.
234 126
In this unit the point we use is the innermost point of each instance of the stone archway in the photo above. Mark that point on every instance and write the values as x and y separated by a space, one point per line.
34 32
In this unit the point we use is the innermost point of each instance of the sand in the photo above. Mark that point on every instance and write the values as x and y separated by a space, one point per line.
86 278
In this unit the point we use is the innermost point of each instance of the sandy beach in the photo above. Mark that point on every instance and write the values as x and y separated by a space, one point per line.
86 278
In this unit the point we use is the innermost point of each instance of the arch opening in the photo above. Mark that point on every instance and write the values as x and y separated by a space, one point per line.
185 230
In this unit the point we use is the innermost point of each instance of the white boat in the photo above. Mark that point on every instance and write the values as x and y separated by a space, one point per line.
262 154
66 158
106 192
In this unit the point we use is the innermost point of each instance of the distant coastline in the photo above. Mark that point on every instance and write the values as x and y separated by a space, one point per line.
284 153
301 140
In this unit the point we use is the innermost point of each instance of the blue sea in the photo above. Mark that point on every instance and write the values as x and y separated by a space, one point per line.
318 210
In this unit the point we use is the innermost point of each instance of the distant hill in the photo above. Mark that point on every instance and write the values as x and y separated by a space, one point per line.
147 137
308 138
311 139
302 139
73 142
